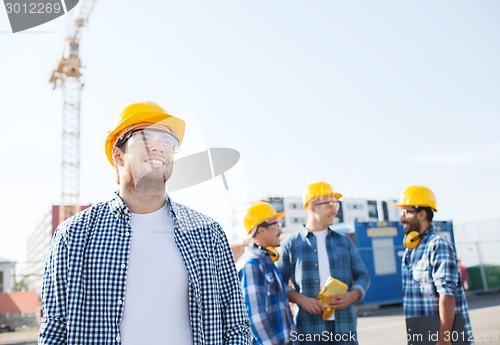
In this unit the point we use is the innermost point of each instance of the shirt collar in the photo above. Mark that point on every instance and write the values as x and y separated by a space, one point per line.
120 209
118 206
428 232
173 206
304 232
260 252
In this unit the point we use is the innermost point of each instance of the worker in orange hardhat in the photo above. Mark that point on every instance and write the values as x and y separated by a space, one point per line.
264 291
141 260
310 257
432 284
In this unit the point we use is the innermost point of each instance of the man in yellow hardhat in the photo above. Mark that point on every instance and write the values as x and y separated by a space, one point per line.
432 284
264 291
313 255
140 268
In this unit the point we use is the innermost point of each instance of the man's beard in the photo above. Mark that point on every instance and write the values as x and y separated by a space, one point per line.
149 183
413 226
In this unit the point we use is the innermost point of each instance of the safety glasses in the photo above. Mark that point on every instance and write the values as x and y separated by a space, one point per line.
406 213
275 225
330 204
147 137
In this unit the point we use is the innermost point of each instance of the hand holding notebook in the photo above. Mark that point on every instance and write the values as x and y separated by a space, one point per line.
332 287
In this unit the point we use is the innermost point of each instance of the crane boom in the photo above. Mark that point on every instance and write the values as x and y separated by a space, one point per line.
68 76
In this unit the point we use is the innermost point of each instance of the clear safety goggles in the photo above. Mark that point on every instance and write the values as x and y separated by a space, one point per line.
330 204
147 137
274 225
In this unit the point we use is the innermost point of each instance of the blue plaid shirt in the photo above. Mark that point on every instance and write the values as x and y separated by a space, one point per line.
85 274
265 296
428 271
299 262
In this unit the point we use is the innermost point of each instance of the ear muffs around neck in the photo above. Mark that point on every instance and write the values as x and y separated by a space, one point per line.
412 239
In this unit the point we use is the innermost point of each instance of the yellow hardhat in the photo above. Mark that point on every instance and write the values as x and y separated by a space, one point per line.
143 112
258 213
417 196
317 190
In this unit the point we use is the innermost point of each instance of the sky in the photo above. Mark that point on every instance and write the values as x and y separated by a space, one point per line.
371 96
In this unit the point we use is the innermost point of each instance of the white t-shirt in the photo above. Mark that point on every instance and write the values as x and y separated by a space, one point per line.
323 261
156 306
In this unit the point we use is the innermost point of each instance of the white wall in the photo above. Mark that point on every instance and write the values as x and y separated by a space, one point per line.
8 271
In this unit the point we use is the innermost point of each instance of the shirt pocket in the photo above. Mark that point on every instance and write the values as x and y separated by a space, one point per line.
271 284
421 274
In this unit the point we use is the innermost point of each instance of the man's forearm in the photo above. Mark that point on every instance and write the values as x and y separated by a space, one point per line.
294 296
446 316
310 304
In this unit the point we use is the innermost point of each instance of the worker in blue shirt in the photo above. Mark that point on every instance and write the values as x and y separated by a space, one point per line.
263 288
432 283
308 258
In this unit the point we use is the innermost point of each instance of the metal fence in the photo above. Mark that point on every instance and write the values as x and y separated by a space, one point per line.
478 248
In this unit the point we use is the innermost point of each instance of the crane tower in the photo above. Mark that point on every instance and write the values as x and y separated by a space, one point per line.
68 76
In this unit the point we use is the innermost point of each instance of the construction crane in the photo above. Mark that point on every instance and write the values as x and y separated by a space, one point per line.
68 76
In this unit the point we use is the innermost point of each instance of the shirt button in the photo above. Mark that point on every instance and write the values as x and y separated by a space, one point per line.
316 265
315 250
118 338
123 265
127 234
120 302
125 210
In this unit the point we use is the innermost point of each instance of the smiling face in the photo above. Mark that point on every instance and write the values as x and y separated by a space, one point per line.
410 219
145 158
323 211
269 233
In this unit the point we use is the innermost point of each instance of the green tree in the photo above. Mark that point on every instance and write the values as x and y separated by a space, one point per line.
21 285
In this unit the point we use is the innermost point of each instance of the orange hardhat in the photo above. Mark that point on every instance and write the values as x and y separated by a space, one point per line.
318 190
417 196
259 213
143 112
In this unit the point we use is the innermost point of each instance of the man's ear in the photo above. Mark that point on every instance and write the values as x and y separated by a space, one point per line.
117 155
422 215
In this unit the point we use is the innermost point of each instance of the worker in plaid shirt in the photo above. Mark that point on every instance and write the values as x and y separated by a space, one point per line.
264 291
140 268
308 258
432 284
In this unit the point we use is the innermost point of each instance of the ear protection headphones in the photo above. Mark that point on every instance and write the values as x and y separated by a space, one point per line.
412 239
273 253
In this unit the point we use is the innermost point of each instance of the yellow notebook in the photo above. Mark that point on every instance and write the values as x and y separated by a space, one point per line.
332 287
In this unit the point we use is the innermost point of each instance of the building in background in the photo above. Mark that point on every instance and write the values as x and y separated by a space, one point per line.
351 210
39 241
19 309
7 274
37 250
